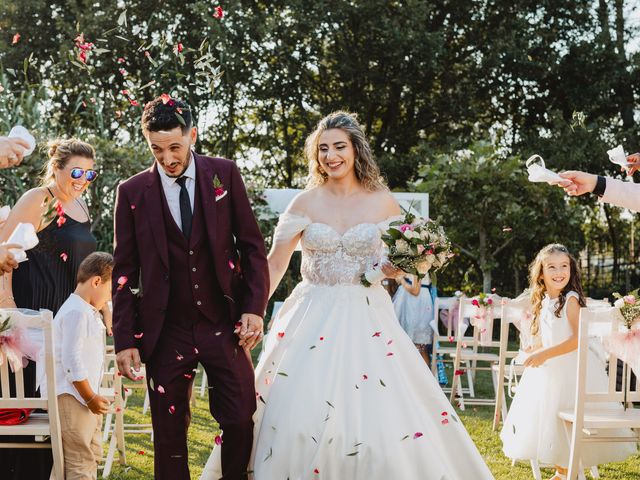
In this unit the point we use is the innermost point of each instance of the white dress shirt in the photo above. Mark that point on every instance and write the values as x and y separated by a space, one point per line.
172 190
79 336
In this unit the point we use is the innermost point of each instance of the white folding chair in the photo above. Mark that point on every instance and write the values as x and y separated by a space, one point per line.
443 344
114 420
596 413
468 352
39 425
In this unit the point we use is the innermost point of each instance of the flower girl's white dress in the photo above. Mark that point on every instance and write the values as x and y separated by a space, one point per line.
532 429
343 394
414 312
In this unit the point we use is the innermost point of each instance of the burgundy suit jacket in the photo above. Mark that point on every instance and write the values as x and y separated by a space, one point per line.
141 252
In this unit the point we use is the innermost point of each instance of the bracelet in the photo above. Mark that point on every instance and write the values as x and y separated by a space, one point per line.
601 185
91 399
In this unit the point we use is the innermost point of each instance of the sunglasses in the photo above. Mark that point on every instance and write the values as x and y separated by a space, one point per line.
90 175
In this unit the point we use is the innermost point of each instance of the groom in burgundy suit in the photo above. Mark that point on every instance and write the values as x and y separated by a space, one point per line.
190 286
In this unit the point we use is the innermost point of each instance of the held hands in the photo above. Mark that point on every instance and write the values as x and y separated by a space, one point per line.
127 359
250 330
98 405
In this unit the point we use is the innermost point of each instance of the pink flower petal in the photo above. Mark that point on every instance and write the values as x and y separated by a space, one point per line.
172 409
196 351
445 421
160 389
280 334
138 335
417 435
231 265
64 256
365 377
390 354
218 440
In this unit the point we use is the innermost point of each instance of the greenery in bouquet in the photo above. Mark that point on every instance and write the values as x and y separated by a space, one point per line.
629 306
416 245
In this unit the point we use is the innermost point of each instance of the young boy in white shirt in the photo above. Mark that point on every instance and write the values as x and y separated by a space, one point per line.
79 356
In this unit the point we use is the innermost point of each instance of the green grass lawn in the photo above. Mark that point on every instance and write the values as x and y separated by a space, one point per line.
203 430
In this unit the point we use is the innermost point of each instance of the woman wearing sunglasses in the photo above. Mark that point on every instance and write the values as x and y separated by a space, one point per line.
49 276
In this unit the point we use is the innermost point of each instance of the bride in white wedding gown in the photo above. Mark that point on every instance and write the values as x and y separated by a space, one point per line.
343 394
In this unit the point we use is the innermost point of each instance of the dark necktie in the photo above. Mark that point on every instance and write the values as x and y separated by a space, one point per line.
186 215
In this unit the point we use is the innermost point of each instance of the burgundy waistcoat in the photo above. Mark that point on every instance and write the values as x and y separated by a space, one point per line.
192 278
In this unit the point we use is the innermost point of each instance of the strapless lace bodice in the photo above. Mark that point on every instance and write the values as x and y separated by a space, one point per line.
329 258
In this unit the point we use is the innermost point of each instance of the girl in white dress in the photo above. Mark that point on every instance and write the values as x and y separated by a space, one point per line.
532 429
413 305
342 392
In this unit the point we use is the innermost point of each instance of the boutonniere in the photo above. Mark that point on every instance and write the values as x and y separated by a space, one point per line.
218 188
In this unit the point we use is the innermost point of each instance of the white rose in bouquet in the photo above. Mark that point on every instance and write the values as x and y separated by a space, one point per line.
423 267
411 234
402 246
619 303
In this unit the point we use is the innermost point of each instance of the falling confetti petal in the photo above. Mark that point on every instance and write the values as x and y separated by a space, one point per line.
165 98
122 282
160 389
417 435
16 39
218 440
316 471
64 257
365 377
138 335
196 351
321 339
445 421
377 334
390 354
389 342
231 265
218 13
172 409
280 334
507 229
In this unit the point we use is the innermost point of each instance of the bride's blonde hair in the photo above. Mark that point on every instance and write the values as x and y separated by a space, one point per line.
538 288
367 170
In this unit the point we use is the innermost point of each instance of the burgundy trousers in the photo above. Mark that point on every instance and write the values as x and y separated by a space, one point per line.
232 397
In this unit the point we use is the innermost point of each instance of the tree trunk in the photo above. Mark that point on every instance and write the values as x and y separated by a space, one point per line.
614 242
485 265
624 88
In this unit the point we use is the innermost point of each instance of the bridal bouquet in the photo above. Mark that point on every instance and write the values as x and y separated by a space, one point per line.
415 246
626 345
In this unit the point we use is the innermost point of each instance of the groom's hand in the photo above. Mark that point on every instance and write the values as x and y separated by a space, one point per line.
126 359
250 330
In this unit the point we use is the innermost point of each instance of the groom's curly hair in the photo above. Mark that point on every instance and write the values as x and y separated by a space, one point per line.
161 114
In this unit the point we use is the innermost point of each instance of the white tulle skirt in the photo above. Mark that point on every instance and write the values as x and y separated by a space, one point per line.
344 394
533 430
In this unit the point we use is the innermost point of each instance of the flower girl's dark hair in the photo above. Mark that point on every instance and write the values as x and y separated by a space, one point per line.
538 289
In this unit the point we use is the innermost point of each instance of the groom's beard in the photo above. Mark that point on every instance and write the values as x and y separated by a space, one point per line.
186 162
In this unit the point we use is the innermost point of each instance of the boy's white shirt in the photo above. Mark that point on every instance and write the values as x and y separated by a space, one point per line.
78 334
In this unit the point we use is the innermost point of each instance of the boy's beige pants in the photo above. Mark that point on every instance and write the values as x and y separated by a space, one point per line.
81 439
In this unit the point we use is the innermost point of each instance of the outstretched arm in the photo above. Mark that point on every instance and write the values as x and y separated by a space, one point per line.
279 258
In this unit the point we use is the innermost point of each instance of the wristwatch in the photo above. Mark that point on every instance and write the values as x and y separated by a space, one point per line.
601 186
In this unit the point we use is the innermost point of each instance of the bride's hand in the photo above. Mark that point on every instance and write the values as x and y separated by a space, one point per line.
390 271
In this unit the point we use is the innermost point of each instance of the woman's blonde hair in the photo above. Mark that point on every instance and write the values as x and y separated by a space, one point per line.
60 151
367 171
538 289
